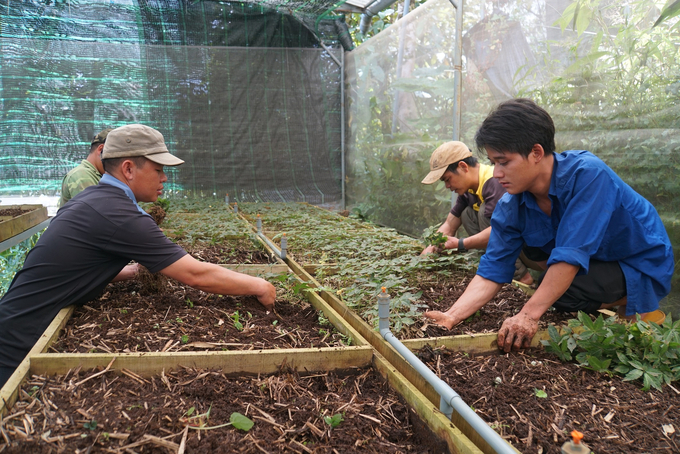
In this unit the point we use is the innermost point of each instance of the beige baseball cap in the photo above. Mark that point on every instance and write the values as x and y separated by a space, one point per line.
131 141
445 154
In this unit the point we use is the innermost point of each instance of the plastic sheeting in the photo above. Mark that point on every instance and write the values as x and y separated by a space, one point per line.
608 78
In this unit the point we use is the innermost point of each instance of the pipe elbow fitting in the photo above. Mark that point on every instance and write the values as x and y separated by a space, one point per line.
365 23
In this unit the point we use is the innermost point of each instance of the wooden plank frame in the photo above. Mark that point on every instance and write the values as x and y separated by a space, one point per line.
486 343
21 223
250 362
361 354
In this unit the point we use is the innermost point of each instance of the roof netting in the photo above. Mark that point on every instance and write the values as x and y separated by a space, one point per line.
247 95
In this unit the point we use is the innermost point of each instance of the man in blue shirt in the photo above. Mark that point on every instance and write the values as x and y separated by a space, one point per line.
601 243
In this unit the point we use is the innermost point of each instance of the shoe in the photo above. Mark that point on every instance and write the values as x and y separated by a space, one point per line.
656 316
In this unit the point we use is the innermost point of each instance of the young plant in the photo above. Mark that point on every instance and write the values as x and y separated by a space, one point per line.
237 324
335 420
636 350
431 237
200 421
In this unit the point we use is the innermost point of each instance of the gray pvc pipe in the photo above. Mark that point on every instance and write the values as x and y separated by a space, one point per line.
449 399
273 247
370 11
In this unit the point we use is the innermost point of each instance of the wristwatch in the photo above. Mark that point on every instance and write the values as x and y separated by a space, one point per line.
461 245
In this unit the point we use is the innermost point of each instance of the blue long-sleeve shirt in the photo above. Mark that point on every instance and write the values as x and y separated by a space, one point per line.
594 215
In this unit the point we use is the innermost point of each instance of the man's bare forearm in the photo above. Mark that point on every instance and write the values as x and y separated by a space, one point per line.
557 280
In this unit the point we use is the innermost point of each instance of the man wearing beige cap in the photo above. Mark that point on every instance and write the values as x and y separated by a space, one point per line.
95 235
478 192
87 173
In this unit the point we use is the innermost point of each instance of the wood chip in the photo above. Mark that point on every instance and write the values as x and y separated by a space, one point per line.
370 418
609 416
318 432
301 446
95 375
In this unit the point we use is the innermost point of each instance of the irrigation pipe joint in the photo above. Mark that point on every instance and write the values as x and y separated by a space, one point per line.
450 400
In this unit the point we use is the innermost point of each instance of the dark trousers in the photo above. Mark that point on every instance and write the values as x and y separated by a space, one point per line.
5 373
474 222
604 284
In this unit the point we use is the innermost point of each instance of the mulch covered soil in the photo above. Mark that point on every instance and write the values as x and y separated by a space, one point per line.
12 212
441 295
176 317
128 413
534 401
241 251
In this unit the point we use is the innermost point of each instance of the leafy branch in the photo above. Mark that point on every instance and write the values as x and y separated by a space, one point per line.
432 237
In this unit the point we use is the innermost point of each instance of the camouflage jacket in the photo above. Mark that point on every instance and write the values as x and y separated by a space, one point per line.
78 179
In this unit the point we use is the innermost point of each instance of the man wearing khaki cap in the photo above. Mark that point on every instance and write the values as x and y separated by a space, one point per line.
87 173
478 192
95 235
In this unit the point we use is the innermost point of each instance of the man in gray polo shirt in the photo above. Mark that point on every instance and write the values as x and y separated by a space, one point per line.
95 235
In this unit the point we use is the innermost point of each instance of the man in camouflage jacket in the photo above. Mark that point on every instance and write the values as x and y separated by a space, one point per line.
87 173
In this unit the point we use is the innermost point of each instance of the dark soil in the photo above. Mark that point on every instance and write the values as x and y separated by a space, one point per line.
13 212
615 416
157 213
129 318
128 413
234 252
441 295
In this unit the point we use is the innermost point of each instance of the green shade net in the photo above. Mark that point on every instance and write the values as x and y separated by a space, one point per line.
243 92
609 79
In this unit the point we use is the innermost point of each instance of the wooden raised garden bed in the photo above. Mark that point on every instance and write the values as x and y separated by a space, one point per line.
132 317
15 219
327 409
534 401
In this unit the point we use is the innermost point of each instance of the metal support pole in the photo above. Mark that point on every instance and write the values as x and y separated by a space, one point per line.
342 127
400 57
457 69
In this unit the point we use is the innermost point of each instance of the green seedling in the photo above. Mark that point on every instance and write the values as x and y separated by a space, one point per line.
237 324
335 420
185 338
431 237
540 393
163 203
200 421
90 425
637 350
190 304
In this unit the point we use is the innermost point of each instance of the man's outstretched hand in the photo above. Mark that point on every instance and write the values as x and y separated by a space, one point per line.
442 319
267 295
517 332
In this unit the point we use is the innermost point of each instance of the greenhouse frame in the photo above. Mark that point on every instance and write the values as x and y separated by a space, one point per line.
279 104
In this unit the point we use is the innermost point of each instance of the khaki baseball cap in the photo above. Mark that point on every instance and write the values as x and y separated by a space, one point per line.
100 137
445 154
131 141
